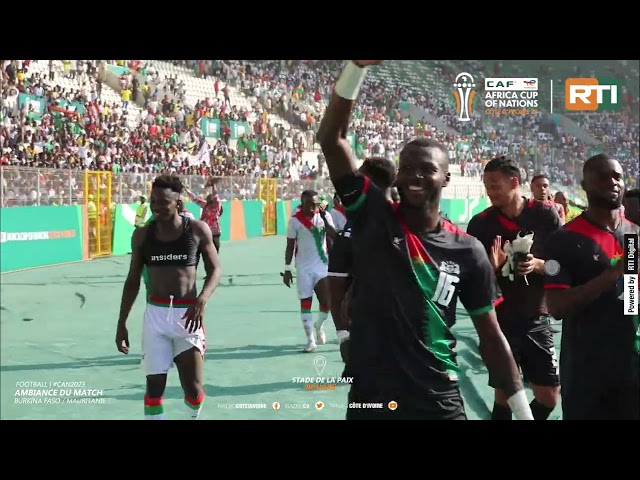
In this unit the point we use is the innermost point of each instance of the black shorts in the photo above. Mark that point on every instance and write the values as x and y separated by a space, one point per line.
407 407
600 403
535 354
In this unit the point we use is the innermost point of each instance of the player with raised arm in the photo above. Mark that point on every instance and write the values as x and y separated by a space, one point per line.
600 349
411 267
310 230
173 327
212 210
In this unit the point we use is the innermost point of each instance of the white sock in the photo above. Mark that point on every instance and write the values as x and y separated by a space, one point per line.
322 317
307 322
193 407
161 416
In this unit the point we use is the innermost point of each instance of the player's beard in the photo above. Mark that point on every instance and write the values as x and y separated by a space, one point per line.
604 203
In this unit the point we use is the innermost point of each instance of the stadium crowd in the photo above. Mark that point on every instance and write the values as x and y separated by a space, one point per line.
380 127
151 128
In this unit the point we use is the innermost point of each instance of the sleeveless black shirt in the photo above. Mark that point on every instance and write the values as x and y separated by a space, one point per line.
182 252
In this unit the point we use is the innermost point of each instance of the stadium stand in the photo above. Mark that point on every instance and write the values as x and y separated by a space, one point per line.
242 120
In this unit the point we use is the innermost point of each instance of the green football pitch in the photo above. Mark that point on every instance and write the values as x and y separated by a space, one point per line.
58 329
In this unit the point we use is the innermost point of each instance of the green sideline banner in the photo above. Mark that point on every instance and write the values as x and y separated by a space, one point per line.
38 236
461 210
253 215
124 225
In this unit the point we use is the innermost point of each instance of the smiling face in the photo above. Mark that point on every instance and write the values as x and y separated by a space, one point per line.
422 175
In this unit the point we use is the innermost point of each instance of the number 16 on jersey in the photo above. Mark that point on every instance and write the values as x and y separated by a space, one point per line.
446 289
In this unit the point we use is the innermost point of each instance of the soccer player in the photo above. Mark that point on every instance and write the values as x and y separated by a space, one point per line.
173 327
522 314
632 206
600 349
308 232
410 267
540 191
382 173
338 214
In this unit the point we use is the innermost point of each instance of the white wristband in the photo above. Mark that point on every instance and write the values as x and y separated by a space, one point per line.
287 268
343 336
520 406
350 81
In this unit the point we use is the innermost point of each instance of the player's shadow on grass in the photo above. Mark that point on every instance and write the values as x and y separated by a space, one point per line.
214 391
251 352
110 361
474 366
471 396
64 281
248 352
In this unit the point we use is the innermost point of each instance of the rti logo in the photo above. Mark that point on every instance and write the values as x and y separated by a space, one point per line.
591 94
464 91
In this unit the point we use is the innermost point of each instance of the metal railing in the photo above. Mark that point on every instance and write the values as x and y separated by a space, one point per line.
22 186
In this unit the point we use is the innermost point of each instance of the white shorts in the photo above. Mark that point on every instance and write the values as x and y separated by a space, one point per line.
164 336
308 277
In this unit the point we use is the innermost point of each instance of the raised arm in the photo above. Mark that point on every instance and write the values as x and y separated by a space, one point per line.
195 199
332 134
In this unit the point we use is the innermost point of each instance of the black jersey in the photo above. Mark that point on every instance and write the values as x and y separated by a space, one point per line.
407 287
600 345
182 252
523 303
340 256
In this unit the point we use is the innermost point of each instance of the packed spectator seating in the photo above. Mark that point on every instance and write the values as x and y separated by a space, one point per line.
402 99
242 120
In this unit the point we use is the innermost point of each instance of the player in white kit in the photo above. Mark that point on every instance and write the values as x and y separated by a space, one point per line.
338 214
309 230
